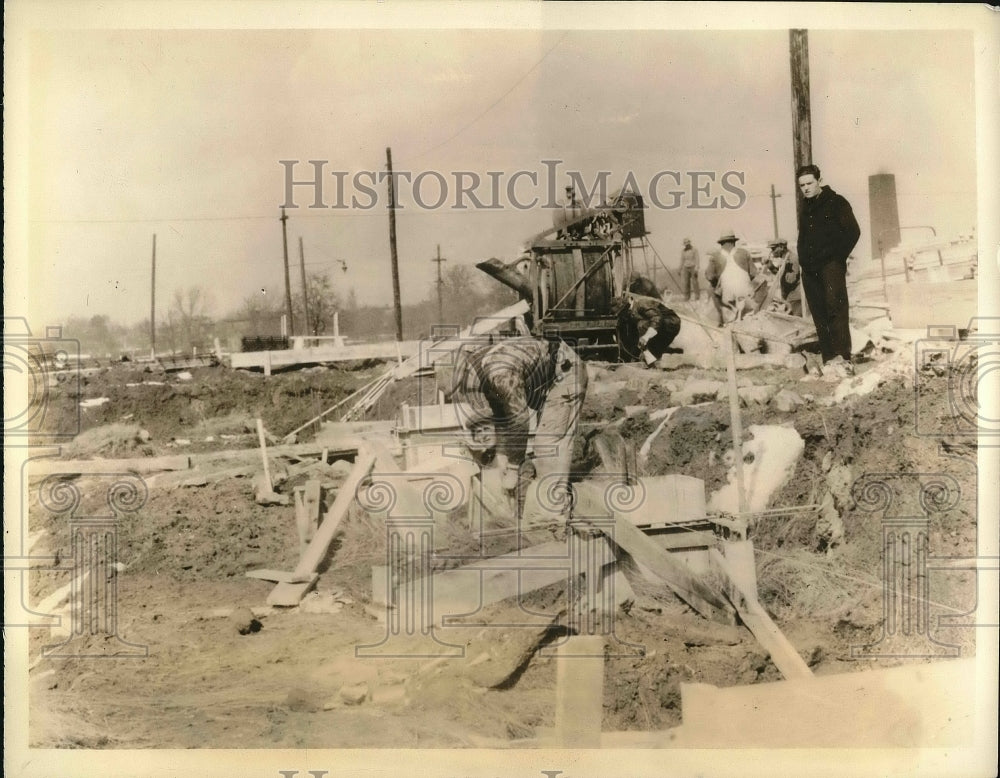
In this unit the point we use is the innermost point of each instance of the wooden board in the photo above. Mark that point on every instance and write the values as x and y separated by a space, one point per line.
101 466
292 593
753 615
280 576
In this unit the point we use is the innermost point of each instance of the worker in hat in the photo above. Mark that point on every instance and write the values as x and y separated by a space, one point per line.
690 268
785 265
523 395
730 273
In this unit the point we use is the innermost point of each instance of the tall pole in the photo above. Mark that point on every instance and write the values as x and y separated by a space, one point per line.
397 306
798 45
288 283
152 305
305 294
774 210
440 284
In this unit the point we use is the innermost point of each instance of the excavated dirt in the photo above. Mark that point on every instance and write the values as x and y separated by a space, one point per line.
295 681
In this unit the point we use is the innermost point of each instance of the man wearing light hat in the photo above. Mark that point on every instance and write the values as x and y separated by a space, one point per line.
730 272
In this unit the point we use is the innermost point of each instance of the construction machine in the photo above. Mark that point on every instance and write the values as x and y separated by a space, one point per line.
572 273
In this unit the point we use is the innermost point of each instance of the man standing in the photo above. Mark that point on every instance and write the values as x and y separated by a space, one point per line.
690 268
730 273
828 232
785 264
530 390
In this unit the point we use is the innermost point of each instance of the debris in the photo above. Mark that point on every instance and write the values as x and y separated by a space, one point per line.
292 594
181 442
198 480
244 621
354 695
95 402
759 395
315 602
697 390
184 375
787 400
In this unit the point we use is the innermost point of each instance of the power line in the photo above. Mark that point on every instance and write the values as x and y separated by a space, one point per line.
494 104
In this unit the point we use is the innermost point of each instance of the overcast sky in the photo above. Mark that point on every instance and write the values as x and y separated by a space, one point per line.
180 133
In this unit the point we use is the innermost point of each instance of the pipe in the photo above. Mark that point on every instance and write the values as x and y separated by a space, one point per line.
507 275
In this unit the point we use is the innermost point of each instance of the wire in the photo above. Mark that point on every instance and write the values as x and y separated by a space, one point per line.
495 103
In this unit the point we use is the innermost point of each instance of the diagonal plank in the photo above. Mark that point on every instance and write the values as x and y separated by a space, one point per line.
292 593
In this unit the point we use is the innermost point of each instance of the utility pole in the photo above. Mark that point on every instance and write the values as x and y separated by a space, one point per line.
288 283
774 210
397 306
798 45
305 293
440 284
152 305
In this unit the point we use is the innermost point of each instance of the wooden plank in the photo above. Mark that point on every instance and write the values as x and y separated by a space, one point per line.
753 615
263 453
280 576
579 691
85 466
292 594
313 504
674 574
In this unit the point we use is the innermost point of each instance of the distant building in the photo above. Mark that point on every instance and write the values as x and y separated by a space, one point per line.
884 213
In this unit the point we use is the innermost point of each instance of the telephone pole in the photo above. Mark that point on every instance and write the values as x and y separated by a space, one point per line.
774 210
397 306
440 284
305 294
798 47
152 305
288 283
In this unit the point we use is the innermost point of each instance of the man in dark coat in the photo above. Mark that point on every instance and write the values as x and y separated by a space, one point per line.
648 323
828 232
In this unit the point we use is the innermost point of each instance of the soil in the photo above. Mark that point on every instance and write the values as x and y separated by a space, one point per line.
202 677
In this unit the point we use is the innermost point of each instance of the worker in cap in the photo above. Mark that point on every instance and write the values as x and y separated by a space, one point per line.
785 264
526 392
690 269
645 326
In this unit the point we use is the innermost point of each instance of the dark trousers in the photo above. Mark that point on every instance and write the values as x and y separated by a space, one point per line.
825 288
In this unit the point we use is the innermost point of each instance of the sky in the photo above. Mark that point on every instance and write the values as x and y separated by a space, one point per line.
180 133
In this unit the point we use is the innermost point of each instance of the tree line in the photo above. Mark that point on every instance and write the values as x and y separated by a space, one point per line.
191 324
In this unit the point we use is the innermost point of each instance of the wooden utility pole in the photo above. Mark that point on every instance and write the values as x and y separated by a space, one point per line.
288 283
774 210
396 304
440 284
305 293
798 45
152 305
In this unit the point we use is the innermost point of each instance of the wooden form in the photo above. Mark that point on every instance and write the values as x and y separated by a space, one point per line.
271 360
286 593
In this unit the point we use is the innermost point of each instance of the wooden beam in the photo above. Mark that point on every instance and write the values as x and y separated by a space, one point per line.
100 466
753 615
292 593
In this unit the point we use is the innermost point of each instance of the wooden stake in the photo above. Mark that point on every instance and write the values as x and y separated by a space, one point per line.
263 453
736 424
